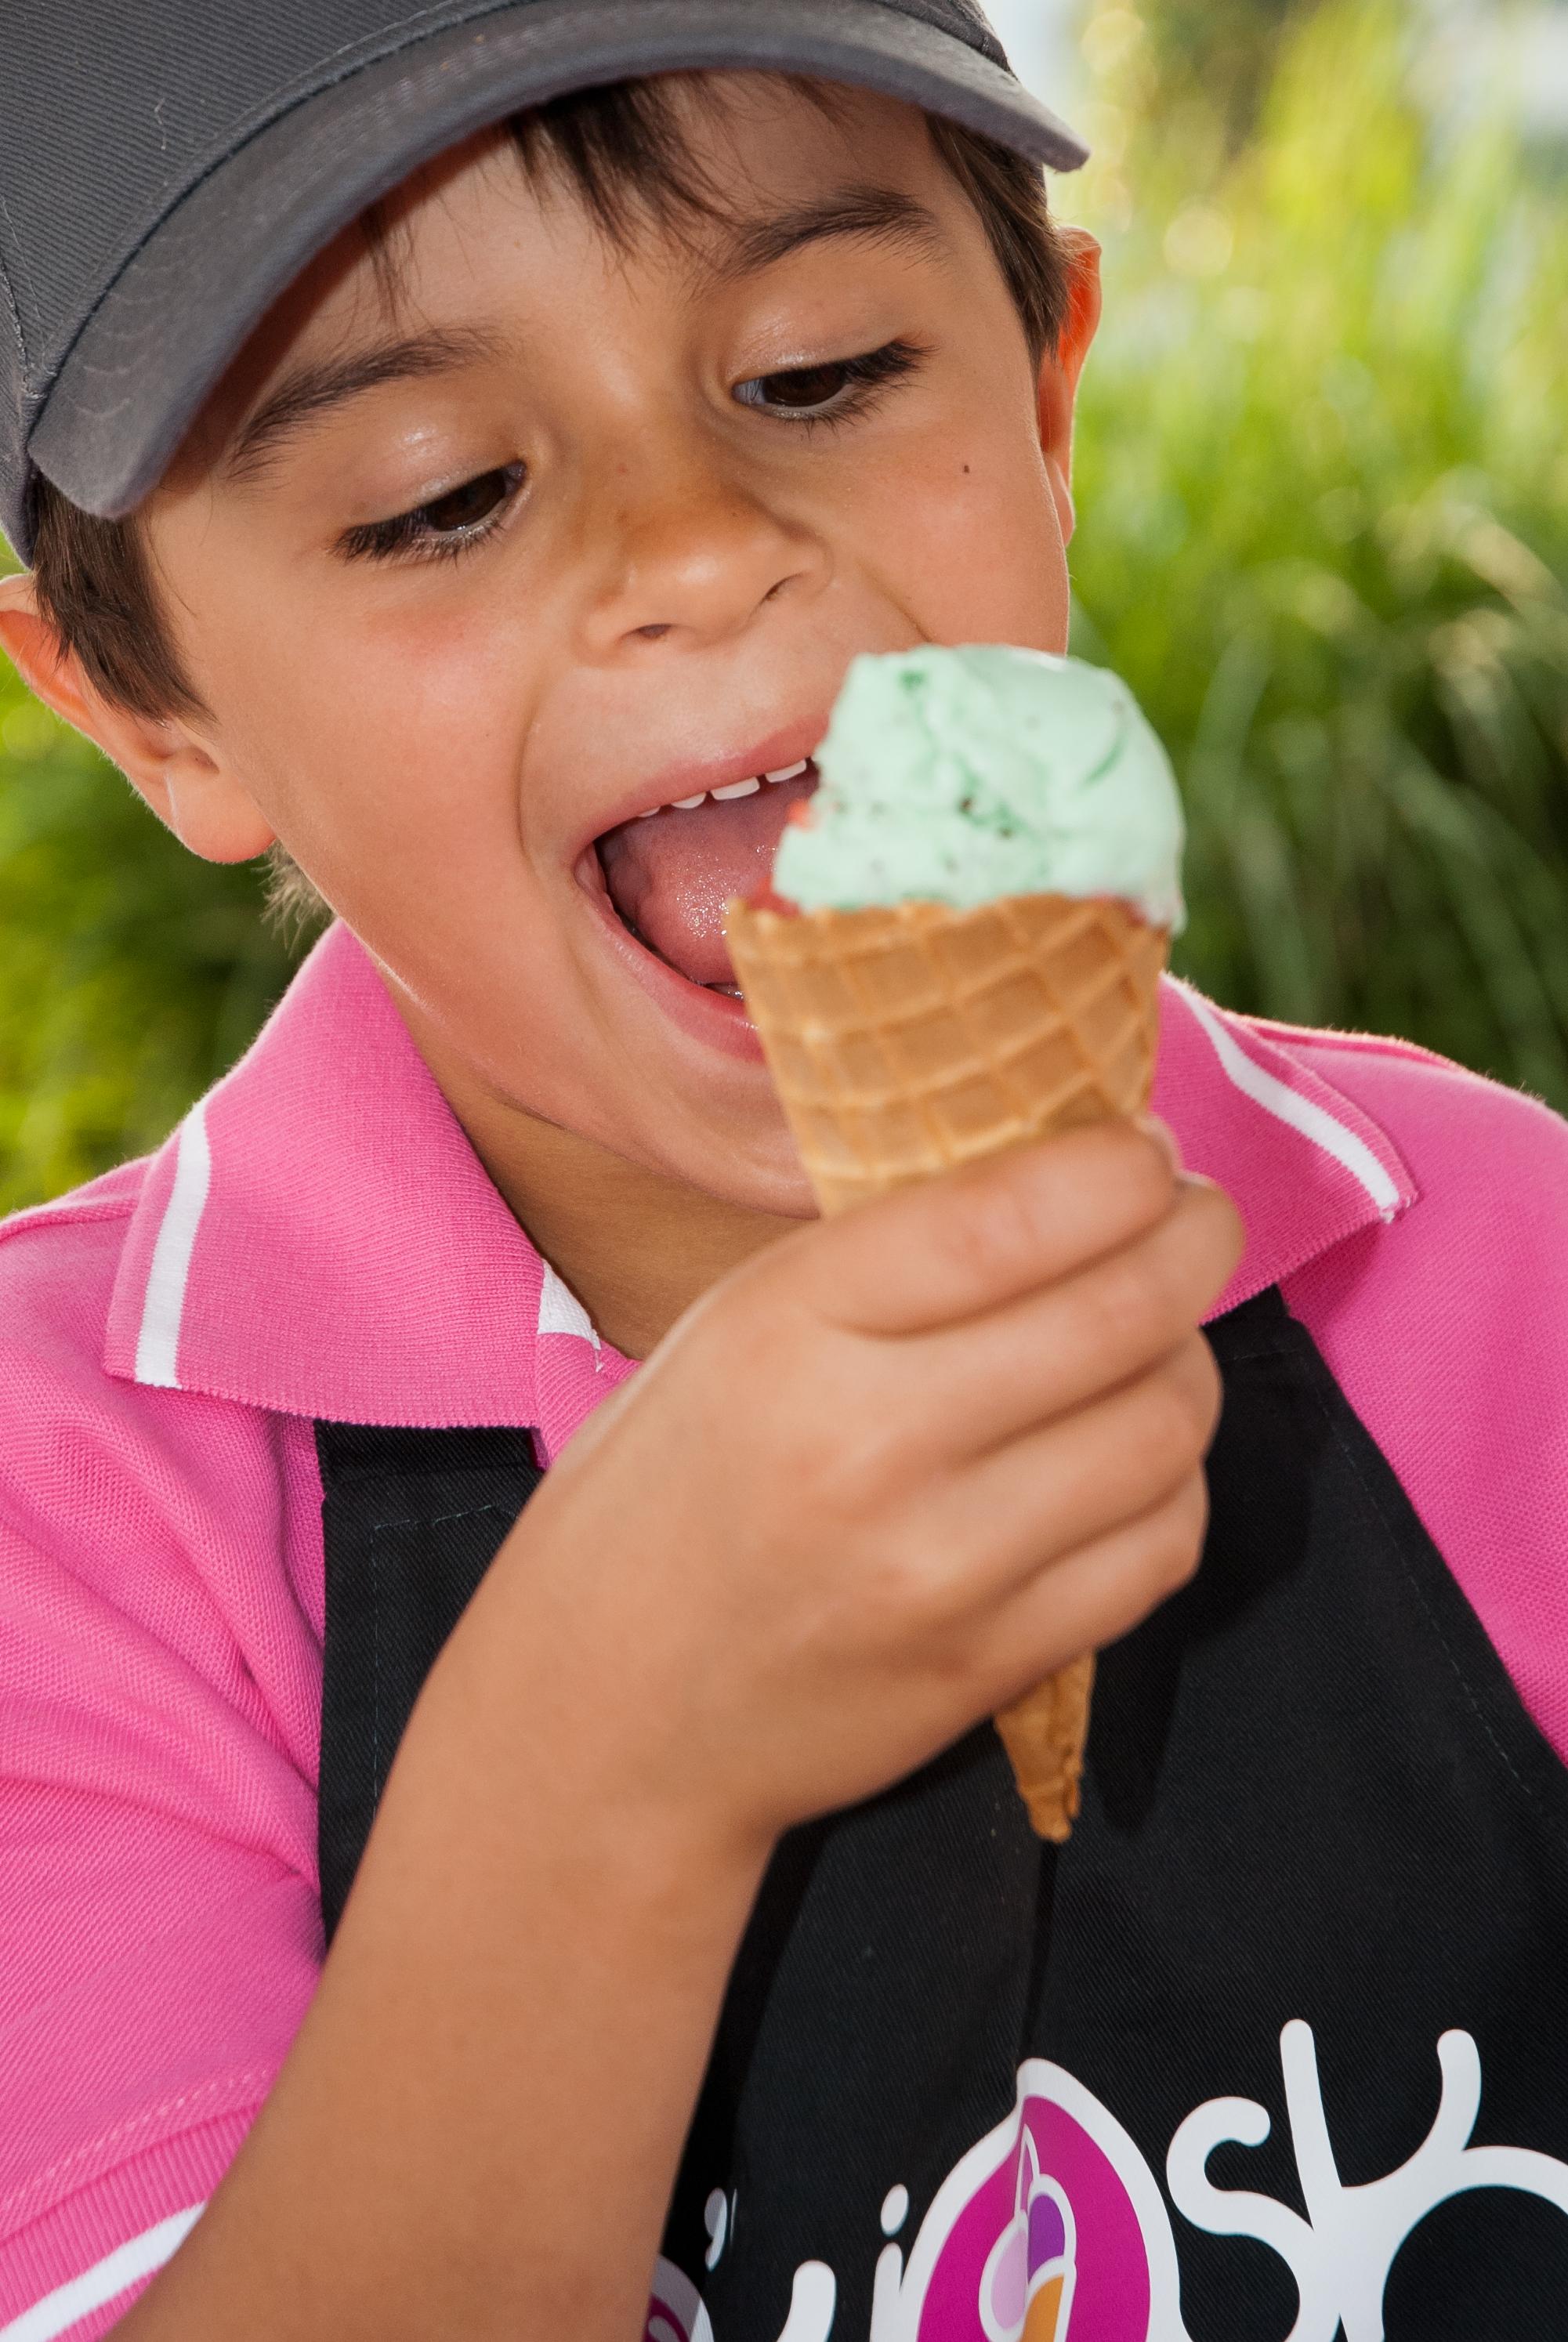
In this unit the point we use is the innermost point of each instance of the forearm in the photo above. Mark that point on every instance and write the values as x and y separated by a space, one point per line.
906 1464
477 2129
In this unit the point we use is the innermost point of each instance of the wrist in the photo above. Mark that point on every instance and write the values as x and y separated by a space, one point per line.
572 1762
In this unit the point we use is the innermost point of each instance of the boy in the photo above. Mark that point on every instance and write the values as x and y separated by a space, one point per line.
498 550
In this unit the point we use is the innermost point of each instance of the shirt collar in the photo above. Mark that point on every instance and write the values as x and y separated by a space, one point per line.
319 1238
1304 1166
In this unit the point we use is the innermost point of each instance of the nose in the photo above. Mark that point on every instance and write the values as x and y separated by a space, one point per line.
691 553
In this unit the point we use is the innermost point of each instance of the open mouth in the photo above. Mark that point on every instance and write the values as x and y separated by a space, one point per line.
669 871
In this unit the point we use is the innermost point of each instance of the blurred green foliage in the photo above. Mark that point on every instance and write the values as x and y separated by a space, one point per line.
1323 478
130 974
1323 474
1212 62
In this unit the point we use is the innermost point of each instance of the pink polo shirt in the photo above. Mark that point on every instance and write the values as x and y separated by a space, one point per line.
318 1240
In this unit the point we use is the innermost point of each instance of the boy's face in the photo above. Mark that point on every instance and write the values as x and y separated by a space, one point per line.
661 496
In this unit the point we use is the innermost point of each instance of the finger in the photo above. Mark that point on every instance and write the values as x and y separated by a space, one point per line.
974 1238
1011 1513
1094 1595
975 1386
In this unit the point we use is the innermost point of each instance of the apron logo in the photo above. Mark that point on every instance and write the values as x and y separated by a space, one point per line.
1052 2228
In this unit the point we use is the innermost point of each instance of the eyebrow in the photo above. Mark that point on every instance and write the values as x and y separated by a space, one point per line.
319 388
877 215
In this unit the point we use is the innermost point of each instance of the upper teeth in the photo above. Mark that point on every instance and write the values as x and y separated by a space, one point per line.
736 789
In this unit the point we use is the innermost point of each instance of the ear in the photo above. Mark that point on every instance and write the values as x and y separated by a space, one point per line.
192 793
1061 368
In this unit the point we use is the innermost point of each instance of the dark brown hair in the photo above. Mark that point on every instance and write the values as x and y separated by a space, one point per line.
623 151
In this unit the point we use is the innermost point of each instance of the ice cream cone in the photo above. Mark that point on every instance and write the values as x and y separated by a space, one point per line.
903 1040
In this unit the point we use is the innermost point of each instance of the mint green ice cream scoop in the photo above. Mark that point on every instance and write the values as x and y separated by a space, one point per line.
959 775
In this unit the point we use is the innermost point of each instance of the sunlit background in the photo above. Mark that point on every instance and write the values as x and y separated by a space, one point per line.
1322 474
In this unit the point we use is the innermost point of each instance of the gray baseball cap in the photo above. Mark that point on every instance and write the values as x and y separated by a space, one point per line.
167 167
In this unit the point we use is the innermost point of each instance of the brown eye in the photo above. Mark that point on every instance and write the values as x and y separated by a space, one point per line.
466 506
806 386
448 525
835 391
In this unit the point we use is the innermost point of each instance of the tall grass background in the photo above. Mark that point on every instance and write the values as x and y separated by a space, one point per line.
1323 480
1323 476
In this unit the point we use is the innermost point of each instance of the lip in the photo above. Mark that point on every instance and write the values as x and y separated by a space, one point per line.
697 776
708 1017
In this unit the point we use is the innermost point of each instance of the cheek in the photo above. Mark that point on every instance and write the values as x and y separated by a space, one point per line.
968 538
396 734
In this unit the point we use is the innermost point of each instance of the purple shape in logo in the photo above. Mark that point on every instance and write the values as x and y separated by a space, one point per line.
1047 2232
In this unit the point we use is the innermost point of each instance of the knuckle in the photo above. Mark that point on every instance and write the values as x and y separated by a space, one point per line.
1127 1174
1208 1389
1216 1224
1164 1550
1116 1179
1136 1307
1179 1537
1111 1308
1144 1166
853 1474
1145 1298
1176 1420
1196 1381
909 1591
998 1227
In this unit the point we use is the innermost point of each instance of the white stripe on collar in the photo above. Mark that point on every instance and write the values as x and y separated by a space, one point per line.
69 2304
1312 1121
162 1305
561 1312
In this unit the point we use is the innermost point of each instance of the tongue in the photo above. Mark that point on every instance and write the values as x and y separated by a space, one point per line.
671 877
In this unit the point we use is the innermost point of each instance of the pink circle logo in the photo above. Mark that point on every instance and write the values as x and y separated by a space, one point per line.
1050 2228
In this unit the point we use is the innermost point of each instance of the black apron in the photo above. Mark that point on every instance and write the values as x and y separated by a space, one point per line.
1278 2045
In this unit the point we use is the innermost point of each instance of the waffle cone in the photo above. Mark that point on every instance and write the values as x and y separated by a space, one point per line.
903 1041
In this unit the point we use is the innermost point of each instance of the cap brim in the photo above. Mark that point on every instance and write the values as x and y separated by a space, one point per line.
181 307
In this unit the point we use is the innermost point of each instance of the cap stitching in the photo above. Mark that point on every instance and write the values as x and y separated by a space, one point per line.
987 45
12 311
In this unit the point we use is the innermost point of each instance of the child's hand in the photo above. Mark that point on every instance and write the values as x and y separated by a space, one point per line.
879 1482
898 1468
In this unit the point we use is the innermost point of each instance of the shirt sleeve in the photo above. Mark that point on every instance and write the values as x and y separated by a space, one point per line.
1448 1332
160 1931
